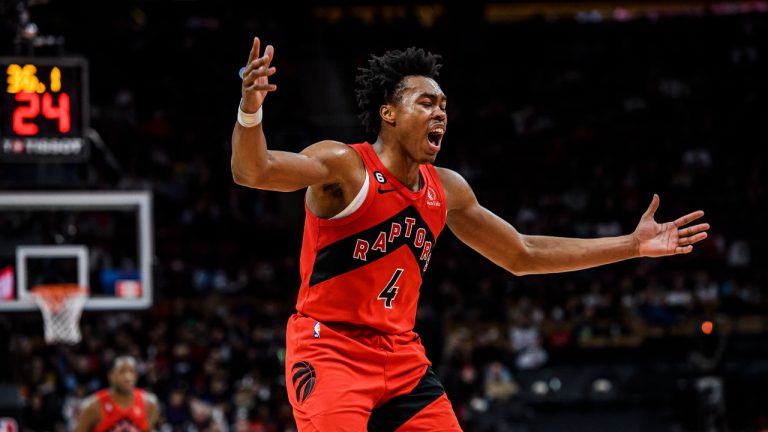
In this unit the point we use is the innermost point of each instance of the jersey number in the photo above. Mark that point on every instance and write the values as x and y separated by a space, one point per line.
390 291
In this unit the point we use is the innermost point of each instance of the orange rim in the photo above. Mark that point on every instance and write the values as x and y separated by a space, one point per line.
54 294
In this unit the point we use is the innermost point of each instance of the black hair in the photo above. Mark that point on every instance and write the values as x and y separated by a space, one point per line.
382 82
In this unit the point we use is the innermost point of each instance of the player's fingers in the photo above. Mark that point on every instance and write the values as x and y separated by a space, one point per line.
652 207
254 65
261 61
685 232
260 88
256 74
683 249
257 86
692 239
269 51
254 50
249 67
248 81
690 217
250 77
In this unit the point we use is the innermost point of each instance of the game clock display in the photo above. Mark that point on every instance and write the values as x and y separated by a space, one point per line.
43 115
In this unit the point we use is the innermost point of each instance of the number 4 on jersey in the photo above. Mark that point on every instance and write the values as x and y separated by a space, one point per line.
390 291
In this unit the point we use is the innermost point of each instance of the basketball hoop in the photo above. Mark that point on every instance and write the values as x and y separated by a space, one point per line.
61 305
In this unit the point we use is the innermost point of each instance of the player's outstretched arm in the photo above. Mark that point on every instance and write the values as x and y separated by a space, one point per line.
521 254
253 164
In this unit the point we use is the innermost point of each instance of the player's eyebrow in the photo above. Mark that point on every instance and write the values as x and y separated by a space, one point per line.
433 96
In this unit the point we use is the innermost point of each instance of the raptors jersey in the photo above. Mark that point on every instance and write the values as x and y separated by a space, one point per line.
116 418
366 268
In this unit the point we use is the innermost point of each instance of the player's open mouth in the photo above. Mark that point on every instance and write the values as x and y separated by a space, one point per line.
435 136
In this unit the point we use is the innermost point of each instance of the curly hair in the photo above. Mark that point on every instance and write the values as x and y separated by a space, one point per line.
382 82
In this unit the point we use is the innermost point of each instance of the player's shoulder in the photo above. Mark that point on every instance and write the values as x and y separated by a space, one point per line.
149 397
329 149
451 179
338 157
458 193
447 174
90 402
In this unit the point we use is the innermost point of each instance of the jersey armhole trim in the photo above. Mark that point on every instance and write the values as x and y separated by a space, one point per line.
358 201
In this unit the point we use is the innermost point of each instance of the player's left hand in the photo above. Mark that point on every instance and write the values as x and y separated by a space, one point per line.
669 238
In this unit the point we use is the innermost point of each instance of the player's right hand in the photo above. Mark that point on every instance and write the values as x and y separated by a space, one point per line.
256 77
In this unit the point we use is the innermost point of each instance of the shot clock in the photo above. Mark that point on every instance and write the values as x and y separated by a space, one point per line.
43 109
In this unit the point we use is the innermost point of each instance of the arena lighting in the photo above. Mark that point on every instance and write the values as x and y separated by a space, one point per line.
479 404
597 11
555 384
540 388
602 385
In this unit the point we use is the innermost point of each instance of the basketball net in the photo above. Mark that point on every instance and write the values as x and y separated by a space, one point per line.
61 305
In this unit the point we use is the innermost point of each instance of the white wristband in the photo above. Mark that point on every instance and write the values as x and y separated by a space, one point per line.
249 119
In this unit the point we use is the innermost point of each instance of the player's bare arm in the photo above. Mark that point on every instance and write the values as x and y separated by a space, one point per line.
522 254
89 416
153 409
332 168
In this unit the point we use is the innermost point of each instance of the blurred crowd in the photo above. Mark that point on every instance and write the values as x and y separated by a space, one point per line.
562 128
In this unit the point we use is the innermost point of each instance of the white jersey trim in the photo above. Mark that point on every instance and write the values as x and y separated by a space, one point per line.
357 202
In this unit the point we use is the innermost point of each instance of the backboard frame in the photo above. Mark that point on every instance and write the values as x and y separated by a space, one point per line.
84 200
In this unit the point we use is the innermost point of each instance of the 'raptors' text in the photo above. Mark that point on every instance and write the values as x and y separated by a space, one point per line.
385 239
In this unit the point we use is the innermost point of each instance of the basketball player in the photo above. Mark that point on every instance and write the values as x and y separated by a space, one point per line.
121 407
373 214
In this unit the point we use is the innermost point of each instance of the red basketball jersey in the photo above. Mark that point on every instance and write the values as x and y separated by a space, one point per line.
366 268
116 418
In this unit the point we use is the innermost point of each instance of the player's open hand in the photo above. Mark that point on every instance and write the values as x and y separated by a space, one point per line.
256 77
670 238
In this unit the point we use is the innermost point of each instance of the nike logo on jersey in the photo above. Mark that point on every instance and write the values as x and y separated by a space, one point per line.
383 191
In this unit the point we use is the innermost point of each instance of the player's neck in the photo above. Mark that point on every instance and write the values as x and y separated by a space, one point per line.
124 399
399 164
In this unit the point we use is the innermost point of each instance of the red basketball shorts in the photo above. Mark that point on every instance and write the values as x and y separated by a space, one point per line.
346 378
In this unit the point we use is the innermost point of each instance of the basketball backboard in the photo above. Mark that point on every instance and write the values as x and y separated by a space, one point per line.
99 240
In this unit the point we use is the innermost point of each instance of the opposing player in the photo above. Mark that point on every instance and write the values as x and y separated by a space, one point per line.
122 406
373 215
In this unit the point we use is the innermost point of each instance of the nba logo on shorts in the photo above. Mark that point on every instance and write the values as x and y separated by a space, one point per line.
317 329
8 425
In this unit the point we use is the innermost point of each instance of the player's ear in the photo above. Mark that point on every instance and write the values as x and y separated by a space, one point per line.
387 113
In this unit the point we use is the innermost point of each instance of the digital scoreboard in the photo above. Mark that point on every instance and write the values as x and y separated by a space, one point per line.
44 109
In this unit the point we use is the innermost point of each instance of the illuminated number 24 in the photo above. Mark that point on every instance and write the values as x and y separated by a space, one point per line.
24 113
